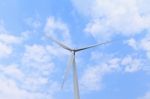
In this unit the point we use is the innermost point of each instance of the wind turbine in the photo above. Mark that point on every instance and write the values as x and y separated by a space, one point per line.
72 63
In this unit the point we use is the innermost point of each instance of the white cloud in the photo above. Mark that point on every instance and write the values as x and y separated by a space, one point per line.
41 56
104 64
12 70
7 41
36 53
129 19
92 77
57 29
5 50
37 59
32 78
131 64
140 45
6 44
39 68
108 18
114 64
133 43
9 89
146 96
28 73
19 83
145 42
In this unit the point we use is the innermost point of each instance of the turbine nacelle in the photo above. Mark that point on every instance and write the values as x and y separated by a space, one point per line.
74 50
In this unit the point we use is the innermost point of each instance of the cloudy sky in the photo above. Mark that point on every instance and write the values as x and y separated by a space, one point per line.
32 66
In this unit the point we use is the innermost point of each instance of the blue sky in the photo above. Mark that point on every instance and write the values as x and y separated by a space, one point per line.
32 66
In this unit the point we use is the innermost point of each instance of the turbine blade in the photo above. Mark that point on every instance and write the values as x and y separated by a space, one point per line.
79 49
59 43
75 80
68 68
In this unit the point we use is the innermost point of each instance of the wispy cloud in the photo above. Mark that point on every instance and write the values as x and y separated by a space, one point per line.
146 96
109 18
33 23
58 29
131 64
92 77
7 41
9 89
30 76
140 45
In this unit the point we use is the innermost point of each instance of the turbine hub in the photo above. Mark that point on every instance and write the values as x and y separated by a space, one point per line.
73 51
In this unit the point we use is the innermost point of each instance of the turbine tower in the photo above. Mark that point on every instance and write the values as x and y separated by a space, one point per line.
72 63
